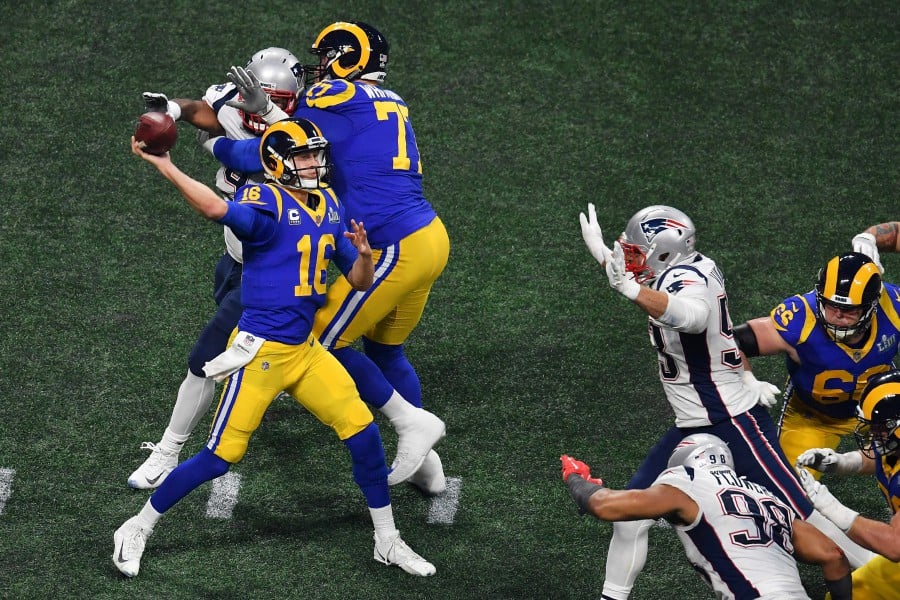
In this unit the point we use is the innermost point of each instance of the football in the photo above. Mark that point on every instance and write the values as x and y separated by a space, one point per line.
157 131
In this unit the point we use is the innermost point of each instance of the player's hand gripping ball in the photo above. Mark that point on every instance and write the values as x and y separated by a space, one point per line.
156 132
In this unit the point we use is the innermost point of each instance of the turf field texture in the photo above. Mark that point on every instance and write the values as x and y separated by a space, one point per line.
772 124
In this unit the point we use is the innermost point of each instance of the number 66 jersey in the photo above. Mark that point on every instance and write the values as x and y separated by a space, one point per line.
741 538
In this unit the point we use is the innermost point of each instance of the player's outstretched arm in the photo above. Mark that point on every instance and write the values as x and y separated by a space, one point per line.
240 155
201 198
814 547
654 502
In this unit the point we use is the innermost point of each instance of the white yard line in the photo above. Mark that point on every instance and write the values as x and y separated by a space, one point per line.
224 496
443 506
6 479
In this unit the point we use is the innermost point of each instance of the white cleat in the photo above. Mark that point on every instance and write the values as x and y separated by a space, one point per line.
155 469
130 540
394 551
430 476
415 438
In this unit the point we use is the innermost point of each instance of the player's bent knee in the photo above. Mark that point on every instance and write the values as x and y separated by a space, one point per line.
353 420
213 464
383 354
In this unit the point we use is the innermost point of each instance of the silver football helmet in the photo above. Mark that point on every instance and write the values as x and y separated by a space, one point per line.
282 77
701 450
656 238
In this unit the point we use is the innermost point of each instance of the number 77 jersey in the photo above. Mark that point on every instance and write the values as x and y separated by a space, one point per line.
377 167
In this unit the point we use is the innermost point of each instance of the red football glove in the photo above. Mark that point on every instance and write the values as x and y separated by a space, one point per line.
572 466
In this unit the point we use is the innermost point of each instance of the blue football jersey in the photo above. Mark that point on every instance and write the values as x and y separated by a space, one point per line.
830 376
285 272
377 169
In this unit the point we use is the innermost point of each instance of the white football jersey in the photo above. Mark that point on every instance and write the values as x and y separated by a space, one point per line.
700 372
228 180
742 536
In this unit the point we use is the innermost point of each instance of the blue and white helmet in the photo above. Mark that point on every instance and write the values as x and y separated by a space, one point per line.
701 450
656 238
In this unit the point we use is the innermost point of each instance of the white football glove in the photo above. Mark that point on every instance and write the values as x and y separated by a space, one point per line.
825 503
593 237
865 243
156 102
765 393
621 280
253 99
827 460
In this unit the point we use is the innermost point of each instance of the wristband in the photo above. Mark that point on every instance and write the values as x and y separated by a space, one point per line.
848 462
630 289
581 492
840 589
174 109
272 113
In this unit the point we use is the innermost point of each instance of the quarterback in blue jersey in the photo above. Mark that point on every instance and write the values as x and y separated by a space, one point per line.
834 337
281 71
378 175
290 231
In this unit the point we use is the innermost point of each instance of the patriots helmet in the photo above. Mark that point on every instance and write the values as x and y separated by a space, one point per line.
701 450
286 139
656 238
349 50
849 281
878 431
281 76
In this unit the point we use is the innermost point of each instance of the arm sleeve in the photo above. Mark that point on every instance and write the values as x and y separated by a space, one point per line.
249 224
689 314
345 254
240 155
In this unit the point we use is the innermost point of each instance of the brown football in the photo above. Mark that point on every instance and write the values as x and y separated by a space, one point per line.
157 131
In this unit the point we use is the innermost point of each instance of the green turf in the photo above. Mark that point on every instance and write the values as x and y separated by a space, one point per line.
774 125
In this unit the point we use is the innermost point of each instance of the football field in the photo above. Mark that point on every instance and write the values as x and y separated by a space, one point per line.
773 125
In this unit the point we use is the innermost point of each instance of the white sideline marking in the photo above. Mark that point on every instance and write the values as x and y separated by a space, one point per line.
443 506
6 478
224 496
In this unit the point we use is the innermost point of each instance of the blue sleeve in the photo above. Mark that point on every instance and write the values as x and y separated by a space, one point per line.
345 253
240 155
335 127
250 224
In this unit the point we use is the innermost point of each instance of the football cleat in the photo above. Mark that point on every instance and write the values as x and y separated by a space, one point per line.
430 476
394 551
415 438
130 540
155 469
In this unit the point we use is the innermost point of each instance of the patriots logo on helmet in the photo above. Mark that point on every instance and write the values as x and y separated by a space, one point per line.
653 227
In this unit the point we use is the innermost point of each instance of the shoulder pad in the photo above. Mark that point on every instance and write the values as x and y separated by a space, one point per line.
329 93
679 277
217 91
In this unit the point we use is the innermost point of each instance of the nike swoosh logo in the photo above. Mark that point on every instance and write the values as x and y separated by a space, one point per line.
154 480
121 558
